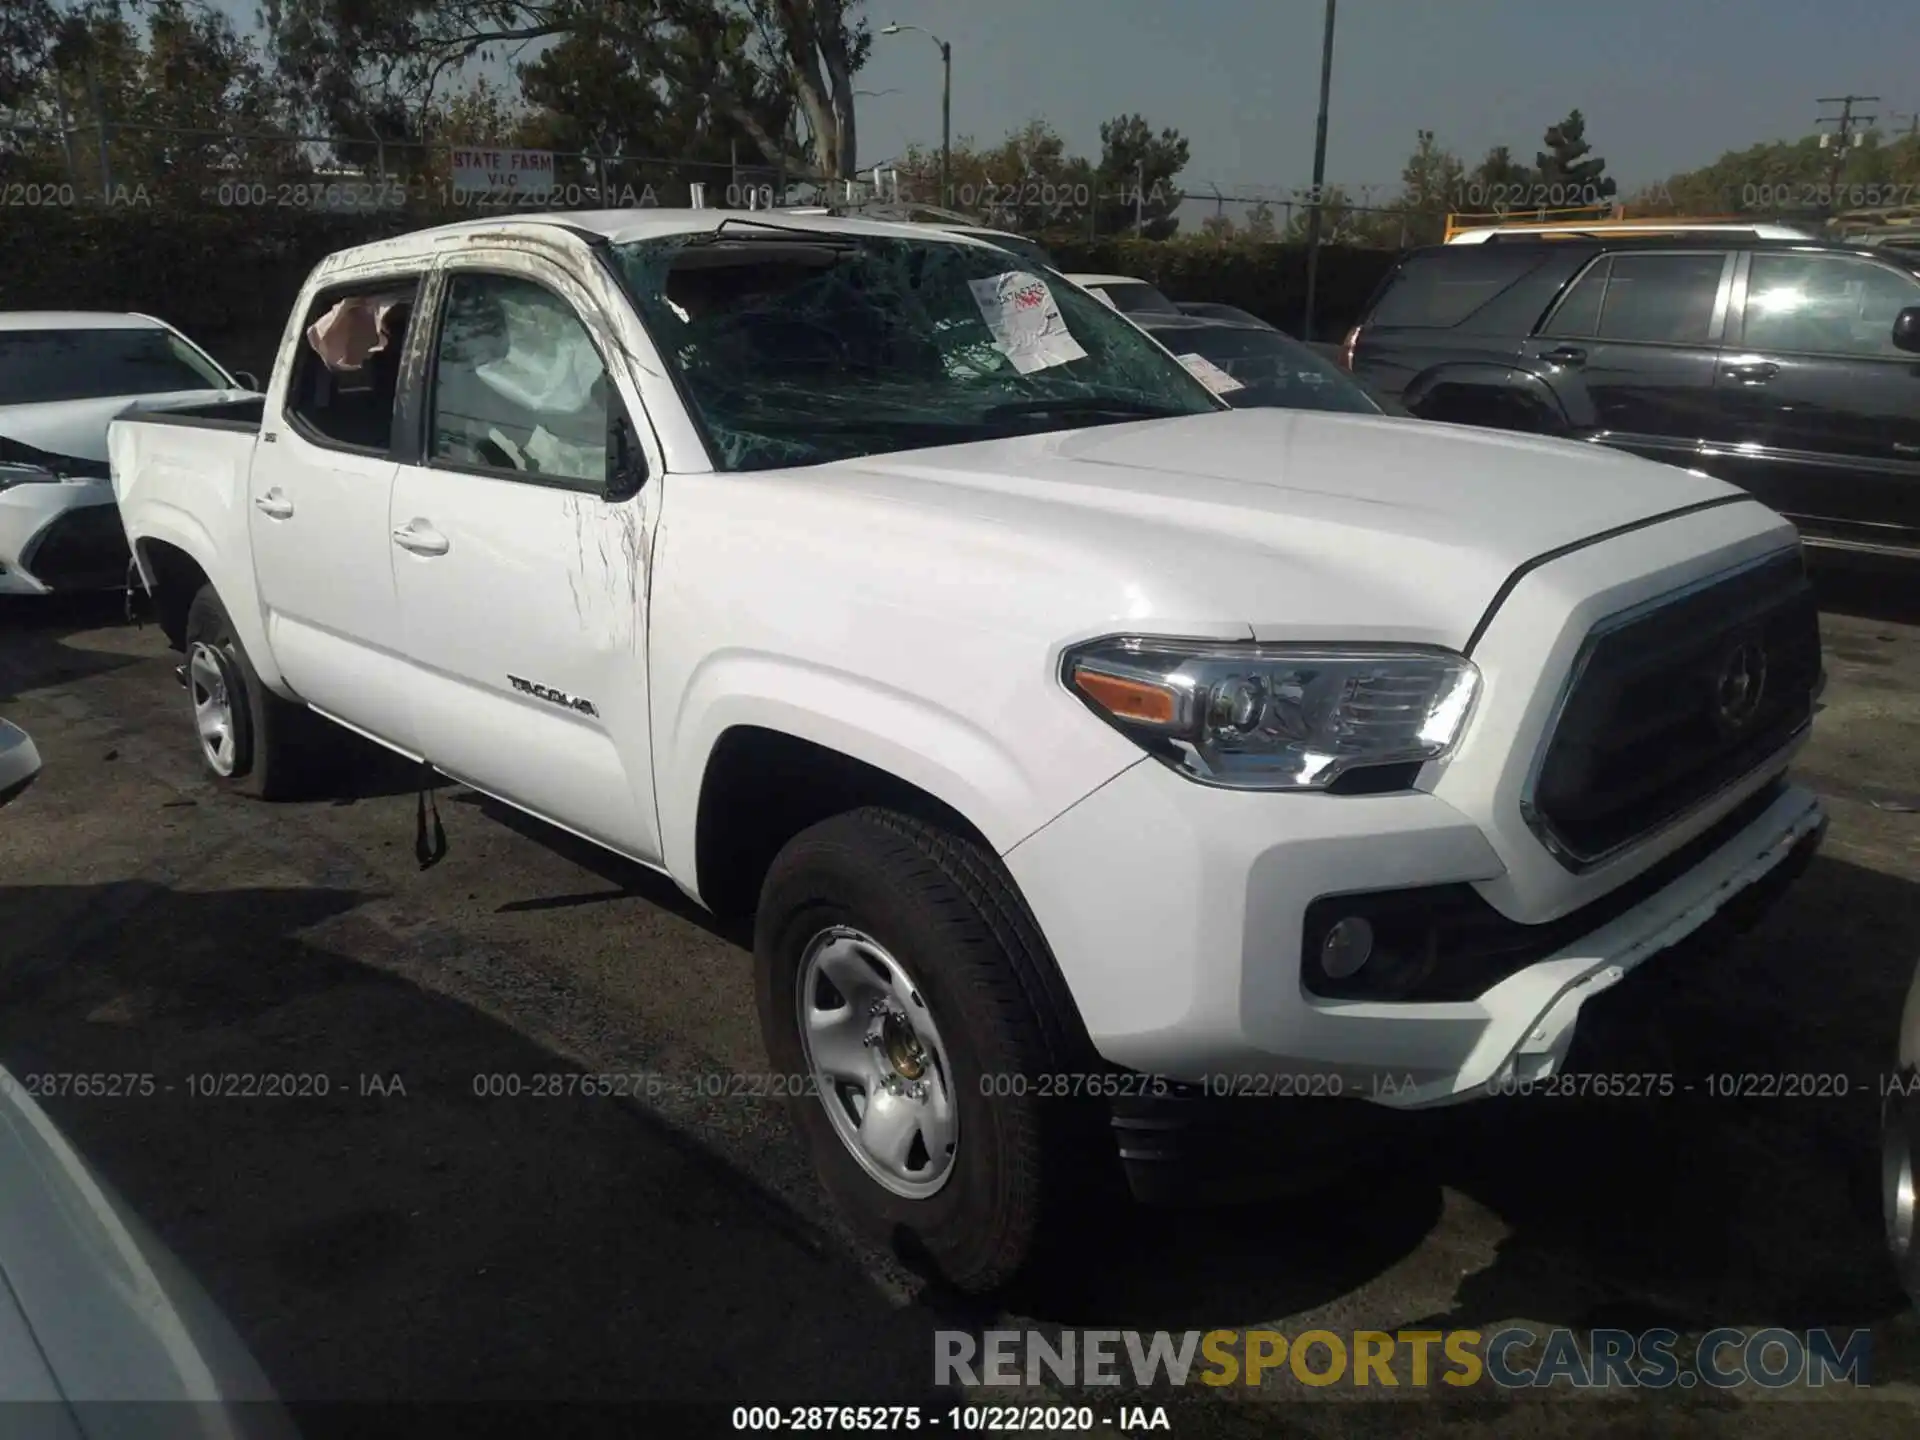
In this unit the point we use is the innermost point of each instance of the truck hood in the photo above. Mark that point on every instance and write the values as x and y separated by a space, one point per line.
1384 528
79 427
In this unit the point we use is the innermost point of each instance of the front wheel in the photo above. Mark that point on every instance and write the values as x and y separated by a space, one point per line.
904 987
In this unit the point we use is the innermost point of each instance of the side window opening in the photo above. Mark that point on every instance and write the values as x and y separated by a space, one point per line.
1441 289
1826 304
1578 314
518 384
1661 299
346 371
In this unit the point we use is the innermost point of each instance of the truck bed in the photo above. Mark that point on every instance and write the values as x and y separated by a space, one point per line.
246 414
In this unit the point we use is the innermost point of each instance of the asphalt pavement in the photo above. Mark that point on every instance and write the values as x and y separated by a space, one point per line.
438 1211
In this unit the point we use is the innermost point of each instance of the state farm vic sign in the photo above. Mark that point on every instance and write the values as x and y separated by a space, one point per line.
502 172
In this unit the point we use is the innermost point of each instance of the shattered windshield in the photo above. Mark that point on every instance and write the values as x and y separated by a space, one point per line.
804 348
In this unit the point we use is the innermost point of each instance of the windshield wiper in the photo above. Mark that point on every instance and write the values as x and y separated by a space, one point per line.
1082 405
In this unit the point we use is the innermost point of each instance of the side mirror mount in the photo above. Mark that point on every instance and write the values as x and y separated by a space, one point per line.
626 461
1906 329
246 379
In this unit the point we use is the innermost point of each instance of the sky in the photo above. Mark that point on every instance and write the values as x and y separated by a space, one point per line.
1666 85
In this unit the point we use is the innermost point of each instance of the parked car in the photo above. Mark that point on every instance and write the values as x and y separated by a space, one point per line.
1125 294
1262 366
19 761
1900 1149
102 1333
94 1311
63 376
1208 310
1051 718
1789 367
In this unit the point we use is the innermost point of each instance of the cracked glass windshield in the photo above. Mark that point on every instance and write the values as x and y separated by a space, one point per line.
804 348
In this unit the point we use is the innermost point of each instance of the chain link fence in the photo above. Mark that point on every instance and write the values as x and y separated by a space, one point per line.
112 164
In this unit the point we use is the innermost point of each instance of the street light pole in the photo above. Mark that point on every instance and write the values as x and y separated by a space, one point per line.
1319 173
946 124
946 106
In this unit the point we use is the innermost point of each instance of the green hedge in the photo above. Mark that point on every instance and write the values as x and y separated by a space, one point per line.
1269 280
227 277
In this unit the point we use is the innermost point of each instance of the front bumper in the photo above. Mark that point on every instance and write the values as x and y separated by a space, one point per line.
64 536
1176 913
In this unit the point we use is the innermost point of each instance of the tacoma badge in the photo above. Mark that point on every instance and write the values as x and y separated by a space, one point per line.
552 696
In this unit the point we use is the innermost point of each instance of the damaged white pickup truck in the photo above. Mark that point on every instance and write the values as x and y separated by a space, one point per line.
1086 750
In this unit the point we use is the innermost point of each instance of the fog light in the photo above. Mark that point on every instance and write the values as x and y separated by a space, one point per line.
1348 946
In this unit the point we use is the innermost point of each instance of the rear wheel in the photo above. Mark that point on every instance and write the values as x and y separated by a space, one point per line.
905 990
250 740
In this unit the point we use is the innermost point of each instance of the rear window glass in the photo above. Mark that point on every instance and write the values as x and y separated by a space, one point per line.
1139 299
1433 292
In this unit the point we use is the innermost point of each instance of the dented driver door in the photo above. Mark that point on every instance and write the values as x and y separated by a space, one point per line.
521 578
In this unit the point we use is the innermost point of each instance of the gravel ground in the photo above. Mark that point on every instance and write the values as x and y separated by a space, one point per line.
408 1235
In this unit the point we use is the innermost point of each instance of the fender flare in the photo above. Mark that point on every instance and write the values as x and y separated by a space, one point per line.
939 752
1562 411
175 527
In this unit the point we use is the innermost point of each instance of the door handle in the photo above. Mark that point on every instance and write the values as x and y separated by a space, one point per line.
421 538
1567 355
1757 373
274 505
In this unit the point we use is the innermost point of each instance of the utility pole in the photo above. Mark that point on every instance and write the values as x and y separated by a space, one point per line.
1319 173
1849 131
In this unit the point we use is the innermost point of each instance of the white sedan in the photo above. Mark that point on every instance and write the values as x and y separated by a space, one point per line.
101 1331
1127 294
64 375
19 761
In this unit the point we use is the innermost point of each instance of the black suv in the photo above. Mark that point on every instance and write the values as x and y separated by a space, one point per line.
1789 367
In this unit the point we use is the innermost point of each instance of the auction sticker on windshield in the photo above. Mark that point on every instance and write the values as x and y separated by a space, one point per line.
1026 322
1210 374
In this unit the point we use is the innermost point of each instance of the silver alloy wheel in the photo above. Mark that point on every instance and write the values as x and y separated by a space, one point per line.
877 1062
212 707
1899 1153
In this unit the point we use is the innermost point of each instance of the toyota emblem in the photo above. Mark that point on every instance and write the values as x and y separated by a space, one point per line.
1737 688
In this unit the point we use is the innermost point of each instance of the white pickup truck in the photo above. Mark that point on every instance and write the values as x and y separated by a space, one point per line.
1085 750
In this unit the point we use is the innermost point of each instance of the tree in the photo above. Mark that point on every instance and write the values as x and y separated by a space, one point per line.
27 33
1341 223
377 65
177 103
1566 176
1138 165
1499 183
1258 225
1218 228
1432 184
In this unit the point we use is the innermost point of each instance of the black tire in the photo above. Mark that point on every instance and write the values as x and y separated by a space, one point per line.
1026 1167
279 748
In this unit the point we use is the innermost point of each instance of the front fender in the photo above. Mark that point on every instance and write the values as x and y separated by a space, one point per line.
1005 795
1561 411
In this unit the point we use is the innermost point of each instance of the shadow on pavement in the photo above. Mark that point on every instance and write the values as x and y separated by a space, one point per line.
628 878
1694 1210
39 654
411 1233
1751 1199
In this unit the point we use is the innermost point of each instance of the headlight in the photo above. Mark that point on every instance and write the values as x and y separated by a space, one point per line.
1276 717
